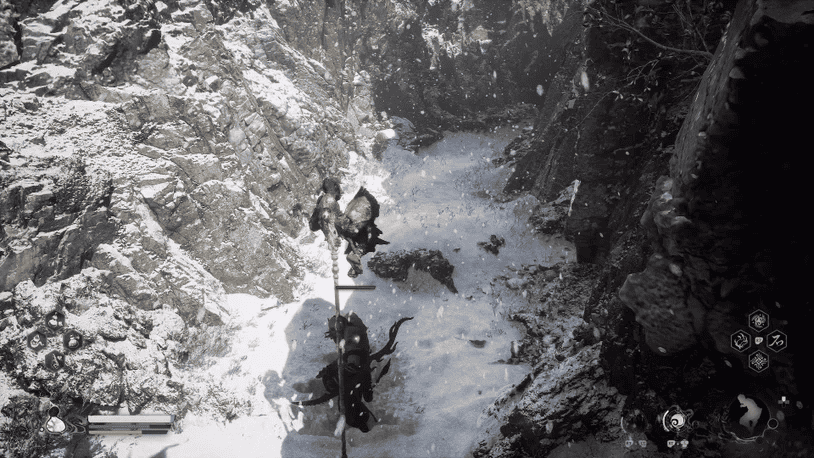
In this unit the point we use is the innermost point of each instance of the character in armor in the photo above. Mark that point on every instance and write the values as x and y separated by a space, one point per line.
358 373
357 224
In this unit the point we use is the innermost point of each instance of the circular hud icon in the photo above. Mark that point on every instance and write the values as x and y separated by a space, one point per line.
747 417
54 361
72 340
675 419
36 341
54 425
55 320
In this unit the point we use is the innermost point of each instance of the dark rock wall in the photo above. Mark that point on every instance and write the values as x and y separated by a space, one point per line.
605 124
712 241
721 223
448 67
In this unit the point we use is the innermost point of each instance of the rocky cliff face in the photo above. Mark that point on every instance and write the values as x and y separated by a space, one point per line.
156 156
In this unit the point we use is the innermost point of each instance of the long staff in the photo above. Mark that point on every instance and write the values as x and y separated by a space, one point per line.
339 340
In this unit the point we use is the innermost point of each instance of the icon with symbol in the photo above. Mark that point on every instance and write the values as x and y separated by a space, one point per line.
777 340
759 320
740 340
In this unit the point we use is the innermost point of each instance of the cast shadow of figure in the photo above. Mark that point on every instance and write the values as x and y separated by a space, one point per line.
311 367
163 452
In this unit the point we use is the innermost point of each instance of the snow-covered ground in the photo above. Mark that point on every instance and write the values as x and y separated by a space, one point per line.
439 383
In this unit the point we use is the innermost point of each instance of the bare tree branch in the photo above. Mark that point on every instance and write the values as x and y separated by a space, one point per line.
624 25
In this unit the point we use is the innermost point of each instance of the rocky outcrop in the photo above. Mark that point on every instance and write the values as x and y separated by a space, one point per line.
8 46
709 251
397 265
551 217
51 227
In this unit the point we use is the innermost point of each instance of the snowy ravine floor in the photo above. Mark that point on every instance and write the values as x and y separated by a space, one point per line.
430 401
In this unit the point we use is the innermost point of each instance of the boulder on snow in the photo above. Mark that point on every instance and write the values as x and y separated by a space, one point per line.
382 139
397 265
493 245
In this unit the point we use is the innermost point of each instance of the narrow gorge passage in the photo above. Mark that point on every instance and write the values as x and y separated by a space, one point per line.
439 382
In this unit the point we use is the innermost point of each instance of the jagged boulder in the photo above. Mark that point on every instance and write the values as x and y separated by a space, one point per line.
551 217
397 265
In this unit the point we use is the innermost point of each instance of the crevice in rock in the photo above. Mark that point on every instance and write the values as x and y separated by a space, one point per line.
152 40
107 60
18 43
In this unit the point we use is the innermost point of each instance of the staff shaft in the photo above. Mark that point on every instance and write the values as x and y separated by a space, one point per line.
339 337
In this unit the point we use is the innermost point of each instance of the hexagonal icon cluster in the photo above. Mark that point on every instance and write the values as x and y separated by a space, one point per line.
54 322
759 320
758 361
777 340
740 340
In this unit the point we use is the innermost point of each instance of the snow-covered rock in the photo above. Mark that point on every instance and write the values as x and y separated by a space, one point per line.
397 265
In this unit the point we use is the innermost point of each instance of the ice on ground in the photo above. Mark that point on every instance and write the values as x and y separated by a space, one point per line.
439 383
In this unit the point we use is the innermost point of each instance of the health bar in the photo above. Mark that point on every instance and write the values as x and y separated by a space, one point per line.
130 424
130 419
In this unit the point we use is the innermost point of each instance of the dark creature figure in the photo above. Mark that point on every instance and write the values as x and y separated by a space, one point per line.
358 378
357 224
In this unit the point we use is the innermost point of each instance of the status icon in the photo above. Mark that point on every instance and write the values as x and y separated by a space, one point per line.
55 320
36 341
759 320
758 361
777 340
740 340
54 361
72 340
675 419
671 443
